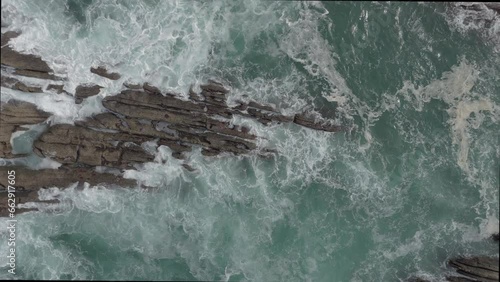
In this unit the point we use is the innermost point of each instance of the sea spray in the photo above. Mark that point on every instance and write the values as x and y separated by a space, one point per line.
392 198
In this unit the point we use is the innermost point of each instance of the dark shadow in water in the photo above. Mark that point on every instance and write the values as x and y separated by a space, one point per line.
76 9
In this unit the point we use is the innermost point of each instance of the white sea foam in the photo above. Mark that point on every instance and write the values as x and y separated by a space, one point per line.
467 111
62 107
179 37
455 89
222 220
480 19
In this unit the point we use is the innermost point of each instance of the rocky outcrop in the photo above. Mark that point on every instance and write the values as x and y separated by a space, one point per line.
102 71
57 88
13 115
13 83
24 64
28 182
138 114
113 138
89 147
308 120
477 268
85 91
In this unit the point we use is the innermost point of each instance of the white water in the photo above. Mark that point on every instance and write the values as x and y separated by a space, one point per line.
326 190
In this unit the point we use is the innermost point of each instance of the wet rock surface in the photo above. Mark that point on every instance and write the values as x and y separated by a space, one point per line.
136 116
24 64
13 83
478 268
102 71
28 182
115 138
13 115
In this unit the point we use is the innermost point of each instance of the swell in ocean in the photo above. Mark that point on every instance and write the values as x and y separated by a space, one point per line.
412 183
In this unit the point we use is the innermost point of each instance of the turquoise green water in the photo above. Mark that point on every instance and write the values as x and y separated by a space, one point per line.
412 183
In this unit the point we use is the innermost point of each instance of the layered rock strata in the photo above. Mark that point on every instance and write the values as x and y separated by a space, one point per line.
478 268
113 139
23 64
135 116
13 116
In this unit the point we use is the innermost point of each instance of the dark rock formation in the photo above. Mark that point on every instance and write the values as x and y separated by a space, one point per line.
15 84
309 121
495 237
85 91
102 71
113 139
479 268
12 116
25 64
28 182
90 147
58 88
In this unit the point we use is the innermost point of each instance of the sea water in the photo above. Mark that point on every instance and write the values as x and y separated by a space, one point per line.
412 182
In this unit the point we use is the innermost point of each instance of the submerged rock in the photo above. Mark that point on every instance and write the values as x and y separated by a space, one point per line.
15 84
57 88
90 147
28 182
